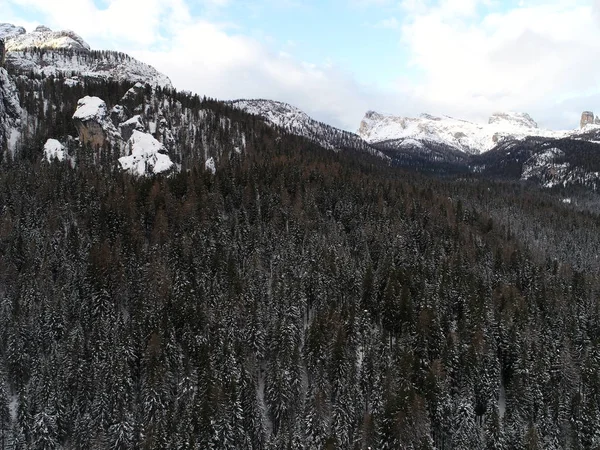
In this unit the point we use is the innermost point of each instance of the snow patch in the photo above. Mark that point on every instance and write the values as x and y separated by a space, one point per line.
53 149
210 165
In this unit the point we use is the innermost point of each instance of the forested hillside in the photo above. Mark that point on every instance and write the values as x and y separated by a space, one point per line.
296 299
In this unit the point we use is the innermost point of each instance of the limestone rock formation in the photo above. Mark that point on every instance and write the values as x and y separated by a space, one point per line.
94 125
128 127
587 118
10 113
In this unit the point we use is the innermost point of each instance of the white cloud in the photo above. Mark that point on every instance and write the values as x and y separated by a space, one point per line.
205 58
533 58
468 58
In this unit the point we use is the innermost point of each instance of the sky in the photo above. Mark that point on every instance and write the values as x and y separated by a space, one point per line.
337 59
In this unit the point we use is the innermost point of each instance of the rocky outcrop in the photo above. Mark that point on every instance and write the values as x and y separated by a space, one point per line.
66 53
522 120
587 118
8 30
10 112
44 38
140 153
94 125
129 126
146 156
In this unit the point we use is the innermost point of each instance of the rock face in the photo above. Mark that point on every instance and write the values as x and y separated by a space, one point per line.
296 121
523 120
428 131
140 153
66 53
44 38
94 125
8 30
587 118
10 113
129 126
2 52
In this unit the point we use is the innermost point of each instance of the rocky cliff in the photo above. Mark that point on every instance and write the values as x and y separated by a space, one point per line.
587 118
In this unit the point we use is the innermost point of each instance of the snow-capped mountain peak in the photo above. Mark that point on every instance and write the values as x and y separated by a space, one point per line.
66 53
297 122
8 30
512 119
42 37
462 135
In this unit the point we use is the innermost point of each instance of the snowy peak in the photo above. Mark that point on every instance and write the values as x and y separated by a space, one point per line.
277 113
297 122
147 156
8 30
462 135
42 37
67 54
512 119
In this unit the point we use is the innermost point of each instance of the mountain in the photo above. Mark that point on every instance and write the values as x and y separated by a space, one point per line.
567 162
460 135
178 272
46 52
297 122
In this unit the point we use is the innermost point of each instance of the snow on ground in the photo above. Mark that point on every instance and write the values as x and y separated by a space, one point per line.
146 156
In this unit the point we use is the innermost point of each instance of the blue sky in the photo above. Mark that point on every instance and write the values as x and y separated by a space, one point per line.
337 59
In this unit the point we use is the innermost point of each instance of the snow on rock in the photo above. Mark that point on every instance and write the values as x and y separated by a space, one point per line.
10 112
67 54
93 123
44 38
512 119
53 149
127 127
146 156
468 137
546 168
90 108
210 165
8 30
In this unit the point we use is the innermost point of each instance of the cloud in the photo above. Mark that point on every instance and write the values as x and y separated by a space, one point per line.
205 58
214 59
531 58
465 58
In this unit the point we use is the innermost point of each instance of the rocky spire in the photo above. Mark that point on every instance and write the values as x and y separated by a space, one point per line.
587 117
